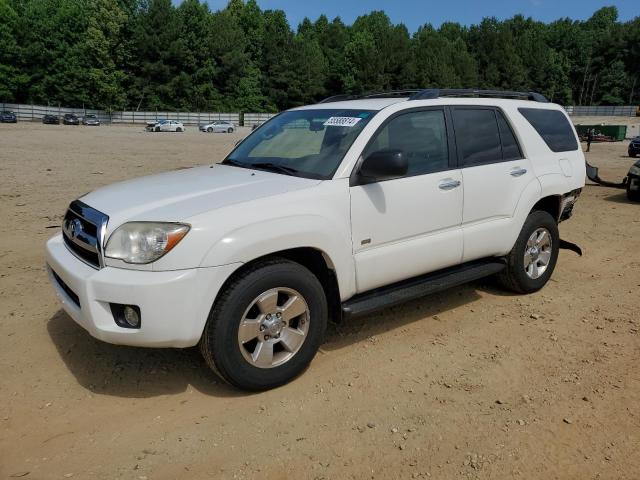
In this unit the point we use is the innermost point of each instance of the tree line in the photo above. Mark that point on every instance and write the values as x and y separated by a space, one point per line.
150 54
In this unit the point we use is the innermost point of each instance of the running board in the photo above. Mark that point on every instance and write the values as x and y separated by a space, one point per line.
417 287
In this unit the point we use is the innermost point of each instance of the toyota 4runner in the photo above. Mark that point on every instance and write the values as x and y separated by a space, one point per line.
325 211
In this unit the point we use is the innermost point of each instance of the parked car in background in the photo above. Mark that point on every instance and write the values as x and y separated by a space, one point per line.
634 147
91 119
633 182
165 126
71 119
218 126
256 125
51 119
8 117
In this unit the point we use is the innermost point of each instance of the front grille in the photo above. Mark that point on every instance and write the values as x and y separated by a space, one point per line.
82 230
70 293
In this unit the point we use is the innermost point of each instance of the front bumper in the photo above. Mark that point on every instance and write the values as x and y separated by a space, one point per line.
174 305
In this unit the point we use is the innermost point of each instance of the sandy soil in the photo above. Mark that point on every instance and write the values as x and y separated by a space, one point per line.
471 383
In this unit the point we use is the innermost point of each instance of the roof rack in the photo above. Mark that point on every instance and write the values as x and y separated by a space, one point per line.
432 93
389 94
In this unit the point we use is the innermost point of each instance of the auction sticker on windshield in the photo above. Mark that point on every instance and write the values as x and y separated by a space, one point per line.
341 121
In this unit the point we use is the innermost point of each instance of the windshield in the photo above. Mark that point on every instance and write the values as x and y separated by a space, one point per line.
306 143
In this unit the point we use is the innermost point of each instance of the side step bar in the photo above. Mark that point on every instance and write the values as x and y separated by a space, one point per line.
417 287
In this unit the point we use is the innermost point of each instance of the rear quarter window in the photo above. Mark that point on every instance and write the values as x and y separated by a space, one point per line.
553 127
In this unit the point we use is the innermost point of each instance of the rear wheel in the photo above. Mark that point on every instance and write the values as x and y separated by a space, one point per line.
534 255
157 129
266 326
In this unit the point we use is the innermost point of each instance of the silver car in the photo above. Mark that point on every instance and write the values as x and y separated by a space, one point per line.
218 126
165 126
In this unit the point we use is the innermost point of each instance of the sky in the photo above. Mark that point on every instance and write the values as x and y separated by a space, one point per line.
414 13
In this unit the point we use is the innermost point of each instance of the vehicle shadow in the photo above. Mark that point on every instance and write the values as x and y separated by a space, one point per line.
131 372
107 369
359 329
620 197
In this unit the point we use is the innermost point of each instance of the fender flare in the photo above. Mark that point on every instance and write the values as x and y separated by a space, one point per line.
260 239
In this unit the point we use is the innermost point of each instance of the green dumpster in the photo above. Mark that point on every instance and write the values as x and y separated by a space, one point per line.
603 133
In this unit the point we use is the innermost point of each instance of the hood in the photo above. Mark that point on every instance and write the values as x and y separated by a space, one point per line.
176 196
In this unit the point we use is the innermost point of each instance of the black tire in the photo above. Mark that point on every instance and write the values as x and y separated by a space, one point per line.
230 130
219 343
210 130
514 277
633 195
179 130
157 129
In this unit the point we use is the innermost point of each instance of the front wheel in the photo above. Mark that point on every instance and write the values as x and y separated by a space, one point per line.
157 129
534 255
179 130
210 130
230 130
266 325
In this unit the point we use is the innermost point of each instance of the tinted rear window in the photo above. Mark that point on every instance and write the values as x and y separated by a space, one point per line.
553 127
510 147
477 136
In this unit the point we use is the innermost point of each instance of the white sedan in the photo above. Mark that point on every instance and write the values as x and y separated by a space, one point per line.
218 126
165 126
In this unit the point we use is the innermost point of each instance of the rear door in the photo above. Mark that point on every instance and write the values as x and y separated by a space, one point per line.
494 173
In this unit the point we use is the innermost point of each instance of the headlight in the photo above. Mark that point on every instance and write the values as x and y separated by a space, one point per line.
144 242
634 170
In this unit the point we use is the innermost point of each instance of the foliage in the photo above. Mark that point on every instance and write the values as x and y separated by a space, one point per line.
152 54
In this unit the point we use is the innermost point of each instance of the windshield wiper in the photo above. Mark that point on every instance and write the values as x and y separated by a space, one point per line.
235 163
274 167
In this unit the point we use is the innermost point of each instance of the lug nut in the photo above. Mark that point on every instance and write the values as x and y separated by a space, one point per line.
267 337
261 328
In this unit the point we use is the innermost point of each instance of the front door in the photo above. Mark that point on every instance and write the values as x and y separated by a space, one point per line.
408 226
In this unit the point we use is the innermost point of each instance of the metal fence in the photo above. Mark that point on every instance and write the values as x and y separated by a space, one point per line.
602 111
257 118
188 118
36 112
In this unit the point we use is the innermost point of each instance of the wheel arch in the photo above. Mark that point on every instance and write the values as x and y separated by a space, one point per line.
314 259
550 204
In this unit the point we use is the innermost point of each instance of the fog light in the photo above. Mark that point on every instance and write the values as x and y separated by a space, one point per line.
126 316
131 317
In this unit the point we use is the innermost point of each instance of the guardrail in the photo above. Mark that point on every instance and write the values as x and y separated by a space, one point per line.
35 113
602 111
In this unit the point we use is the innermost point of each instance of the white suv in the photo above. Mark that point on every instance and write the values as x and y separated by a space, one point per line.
325 211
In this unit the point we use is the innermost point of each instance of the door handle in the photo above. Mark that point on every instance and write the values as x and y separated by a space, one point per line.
449 184
518 172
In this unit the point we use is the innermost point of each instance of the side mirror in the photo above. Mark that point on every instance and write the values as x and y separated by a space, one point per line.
383 165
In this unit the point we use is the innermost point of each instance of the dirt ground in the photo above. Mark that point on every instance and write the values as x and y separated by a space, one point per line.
471 383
